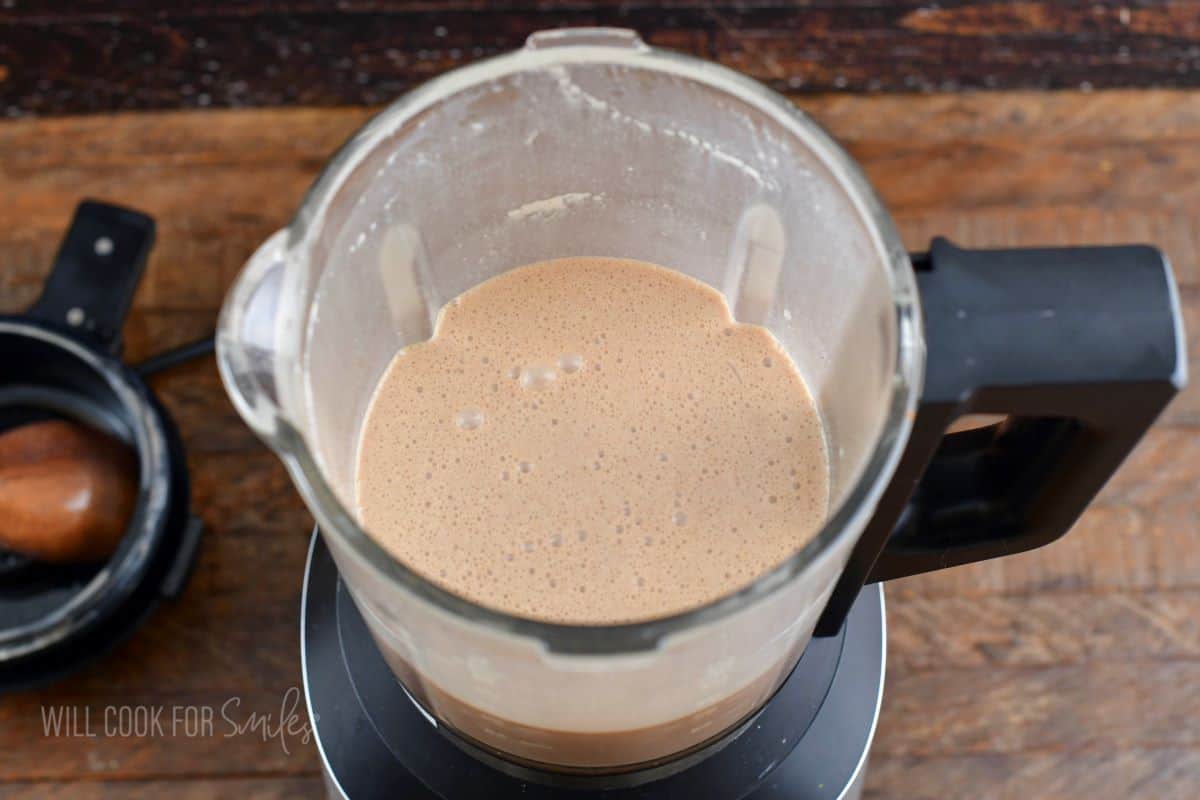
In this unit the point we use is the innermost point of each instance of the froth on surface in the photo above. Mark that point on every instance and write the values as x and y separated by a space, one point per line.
592 441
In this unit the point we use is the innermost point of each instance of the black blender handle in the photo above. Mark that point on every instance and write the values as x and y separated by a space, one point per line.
1080 348
95 274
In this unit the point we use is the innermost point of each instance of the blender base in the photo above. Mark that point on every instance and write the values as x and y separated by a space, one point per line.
374 741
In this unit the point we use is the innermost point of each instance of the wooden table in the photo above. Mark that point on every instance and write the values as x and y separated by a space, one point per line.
1069 672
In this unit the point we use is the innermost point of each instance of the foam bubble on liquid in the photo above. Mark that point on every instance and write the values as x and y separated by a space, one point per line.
469 419
537 376
570 364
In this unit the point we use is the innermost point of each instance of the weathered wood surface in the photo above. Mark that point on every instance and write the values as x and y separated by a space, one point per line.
101 56
282 788
1069 672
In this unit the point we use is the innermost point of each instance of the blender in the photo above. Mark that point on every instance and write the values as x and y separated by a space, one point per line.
589 142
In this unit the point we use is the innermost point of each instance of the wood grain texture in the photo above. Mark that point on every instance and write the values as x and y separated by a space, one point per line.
281 788
1160 774
1110 707
102 56
934 633
1068 672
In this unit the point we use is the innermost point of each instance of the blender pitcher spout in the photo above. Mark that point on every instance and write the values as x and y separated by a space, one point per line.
251 337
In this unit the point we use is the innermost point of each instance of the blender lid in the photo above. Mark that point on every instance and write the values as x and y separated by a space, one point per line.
59 360
54 618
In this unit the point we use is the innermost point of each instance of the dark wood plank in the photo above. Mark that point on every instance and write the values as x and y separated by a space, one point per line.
100 56
1161 774
1105 707
934 632
961 117
281 788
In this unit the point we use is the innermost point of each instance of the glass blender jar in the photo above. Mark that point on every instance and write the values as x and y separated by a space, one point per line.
588 142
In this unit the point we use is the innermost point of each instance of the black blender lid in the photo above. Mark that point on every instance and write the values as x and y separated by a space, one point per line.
59 360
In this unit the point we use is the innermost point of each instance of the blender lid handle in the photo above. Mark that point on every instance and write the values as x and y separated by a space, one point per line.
95 274
1080 348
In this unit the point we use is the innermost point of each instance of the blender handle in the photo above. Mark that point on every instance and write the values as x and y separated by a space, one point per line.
95 274
1081 348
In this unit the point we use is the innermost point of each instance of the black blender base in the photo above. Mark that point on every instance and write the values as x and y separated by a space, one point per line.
809 742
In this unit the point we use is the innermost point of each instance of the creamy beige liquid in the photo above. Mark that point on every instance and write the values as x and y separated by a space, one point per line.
592 441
